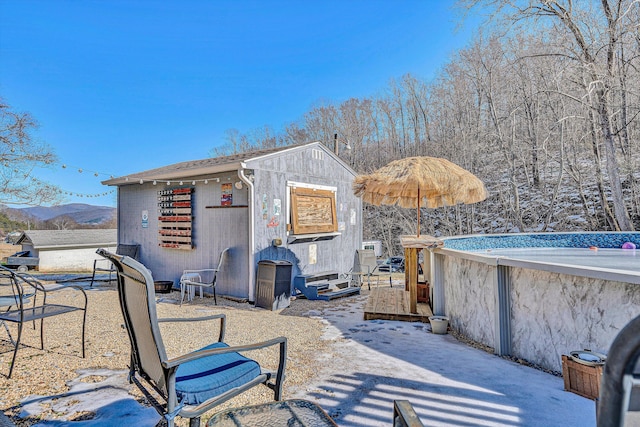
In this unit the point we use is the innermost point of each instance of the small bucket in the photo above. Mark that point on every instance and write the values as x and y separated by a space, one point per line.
439 324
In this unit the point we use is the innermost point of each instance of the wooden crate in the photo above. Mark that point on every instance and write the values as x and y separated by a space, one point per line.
581 379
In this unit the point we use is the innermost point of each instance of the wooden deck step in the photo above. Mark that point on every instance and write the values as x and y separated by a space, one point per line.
319 286
329 285
337 283
312 286
340 293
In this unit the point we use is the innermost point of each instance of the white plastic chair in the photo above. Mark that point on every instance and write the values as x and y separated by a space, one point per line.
203 278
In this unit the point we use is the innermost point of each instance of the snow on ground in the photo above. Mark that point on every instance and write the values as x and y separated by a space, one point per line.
108 400
448 383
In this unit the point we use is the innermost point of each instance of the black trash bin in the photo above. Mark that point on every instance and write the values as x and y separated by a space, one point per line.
273 284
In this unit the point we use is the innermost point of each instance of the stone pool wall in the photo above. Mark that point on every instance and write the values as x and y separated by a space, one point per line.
553 314
469 299
530 310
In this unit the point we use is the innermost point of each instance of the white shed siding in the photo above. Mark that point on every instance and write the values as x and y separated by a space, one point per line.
67 250
78 260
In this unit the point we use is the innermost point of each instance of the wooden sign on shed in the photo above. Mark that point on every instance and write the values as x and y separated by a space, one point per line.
313 211
175 220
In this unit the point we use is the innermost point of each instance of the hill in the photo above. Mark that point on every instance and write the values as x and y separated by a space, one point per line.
79 212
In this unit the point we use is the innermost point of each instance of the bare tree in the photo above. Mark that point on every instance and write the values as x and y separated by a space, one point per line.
62 222
594 35
20 154
294 134
321 123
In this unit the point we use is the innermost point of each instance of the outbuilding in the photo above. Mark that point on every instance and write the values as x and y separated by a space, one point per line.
291 203
66 250
373 245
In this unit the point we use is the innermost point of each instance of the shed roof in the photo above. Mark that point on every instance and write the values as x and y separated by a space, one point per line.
41 239
212 165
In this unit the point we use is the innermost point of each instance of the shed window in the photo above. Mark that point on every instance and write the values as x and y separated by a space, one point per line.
313 211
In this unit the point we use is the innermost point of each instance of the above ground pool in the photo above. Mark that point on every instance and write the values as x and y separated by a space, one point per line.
538 296
602 240
613 259
593 251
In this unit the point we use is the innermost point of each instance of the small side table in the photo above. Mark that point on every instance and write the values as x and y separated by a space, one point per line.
296 412
189 290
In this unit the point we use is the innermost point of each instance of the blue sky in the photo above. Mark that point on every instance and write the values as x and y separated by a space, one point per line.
124 86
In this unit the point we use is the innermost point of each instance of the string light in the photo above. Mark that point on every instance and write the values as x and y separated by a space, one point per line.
81 170
155 181
64 192
127 179
96 195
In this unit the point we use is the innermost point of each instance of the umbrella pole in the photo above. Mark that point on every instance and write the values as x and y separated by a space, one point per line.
418 211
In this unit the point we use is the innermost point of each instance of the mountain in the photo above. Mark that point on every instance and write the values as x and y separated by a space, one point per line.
79 212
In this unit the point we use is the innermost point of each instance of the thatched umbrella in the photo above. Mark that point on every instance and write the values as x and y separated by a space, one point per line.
414 182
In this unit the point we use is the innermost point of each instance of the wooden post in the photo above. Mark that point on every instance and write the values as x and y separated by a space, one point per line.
406 269
418 234
411 265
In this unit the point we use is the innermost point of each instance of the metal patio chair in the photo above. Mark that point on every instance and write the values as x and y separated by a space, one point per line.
23 299
204 278
104 266
190 384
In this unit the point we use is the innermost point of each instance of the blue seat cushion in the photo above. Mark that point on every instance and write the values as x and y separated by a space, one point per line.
202 379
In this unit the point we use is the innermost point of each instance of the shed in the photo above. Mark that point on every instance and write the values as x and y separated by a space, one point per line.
291 203
66 250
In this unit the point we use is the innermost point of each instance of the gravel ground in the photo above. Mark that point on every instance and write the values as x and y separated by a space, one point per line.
49 372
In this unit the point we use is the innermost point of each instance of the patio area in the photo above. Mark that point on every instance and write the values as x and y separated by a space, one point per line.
354 368
385 303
